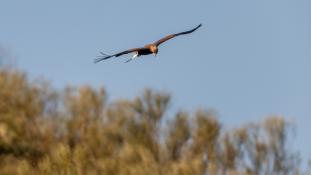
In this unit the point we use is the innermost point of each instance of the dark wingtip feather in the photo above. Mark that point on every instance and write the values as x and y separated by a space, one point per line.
100 59
96 60
200 25
103 54
103 57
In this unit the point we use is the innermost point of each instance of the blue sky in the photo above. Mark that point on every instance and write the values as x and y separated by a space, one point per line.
250 60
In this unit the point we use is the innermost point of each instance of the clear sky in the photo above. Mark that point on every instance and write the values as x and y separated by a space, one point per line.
251 59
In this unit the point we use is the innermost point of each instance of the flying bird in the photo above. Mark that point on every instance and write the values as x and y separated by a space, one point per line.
147 49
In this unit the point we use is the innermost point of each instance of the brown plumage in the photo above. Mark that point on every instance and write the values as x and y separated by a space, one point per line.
146 50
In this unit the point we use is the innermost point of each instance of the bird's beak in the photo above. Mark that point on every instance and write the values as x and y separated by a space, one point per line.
155 54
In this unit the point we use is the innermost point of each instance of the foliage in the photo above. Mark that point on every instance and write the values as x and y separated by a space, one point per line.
78 131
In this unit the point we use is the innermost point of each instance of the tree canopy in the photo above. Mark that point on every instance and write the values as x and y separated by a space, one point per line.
79 131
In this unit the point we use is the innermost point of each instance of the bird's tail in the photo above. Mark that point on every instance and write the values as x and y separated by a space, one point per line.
134 56
102 57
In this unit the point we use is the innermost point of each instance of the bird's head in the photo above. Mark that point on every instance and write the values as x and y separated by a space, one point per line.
154 50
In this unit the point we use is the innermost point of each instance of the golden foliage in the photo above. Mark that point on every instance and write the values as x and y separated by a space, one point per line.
77 131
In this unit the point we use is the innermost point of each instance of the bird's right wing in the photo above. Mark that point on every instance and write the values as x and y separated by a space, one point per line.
174 35
105 56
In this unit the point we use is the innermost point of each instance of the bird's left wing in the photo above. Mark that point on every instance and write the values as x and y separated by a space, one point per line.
105 56
174 35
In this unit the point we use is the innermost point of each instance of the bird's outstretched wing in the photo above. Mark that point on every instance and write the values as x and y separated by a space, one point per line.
174 35
105 56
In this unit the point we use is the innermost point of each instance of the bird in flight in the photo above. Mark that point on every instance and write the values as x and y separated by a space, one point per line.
146 50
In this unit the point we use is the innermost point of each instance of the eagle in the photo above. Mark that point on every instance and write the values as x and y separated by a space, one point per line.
146 50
